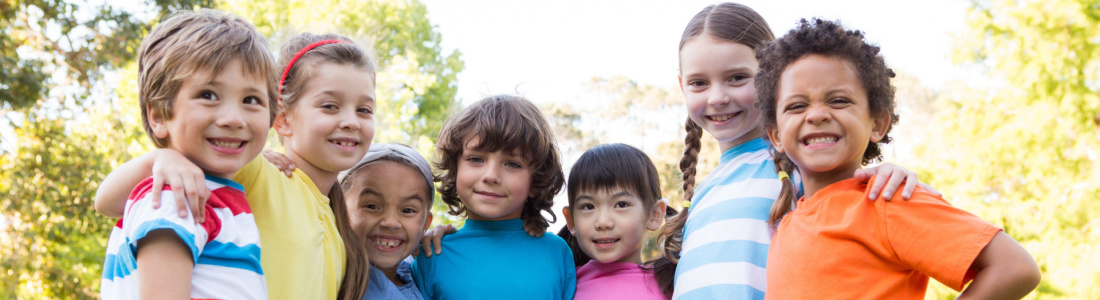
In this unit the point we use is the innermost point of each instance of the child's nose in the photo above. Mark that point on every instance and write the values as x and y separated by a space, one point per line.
817 114
491 175
349 120
231 116
603 221
718 95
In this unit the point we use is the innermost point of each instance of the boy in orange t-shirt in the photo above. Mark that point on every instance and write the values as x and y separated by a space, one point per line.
827 103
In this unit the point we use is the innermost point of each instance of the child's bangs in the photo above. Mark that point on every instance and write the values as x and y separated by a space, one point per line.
504 127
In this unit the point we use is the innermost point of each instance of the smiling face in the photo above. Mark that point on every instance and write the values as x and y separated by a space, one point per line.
610 224
824 121
716 77
388 205
493 185
220 124
332 123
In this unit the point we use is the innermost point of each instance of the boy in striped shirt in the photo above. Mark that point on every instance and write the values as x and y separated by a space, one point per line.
207 90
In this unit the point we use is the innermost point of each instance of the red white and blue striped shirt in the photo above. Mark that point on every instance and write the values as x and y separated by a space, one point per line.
225 249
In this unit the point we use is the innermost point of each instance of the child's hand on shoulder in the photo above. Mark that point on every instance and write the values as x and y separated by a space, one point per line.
280 161
533 229
891 177
434 235
172 168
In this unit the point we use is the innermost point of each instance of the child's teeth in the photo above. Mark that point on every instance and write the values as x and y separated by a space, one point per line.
820 140
225 144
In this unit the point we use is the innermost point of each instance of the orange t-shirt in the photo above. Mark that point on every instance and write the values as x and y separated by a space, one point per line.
839 245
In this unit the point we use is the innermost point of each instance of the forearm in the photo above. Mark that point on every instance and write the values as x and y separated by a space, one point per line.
1005 271
110 197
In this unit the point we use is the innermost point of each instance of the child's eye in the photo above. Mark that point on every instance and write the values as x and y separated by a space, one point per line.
738 78
475 159
208 95
365 110
253 100
329 106
371 206
513 164
622 204
795 107
587 206
839 101
408 210
697 83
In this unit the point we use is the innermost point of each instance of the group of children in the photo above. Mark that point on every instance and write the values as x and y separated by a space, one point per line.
785 215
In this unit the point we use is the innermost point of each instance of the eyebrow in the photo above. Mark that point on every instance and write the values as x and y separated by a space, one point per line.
248 87
370 191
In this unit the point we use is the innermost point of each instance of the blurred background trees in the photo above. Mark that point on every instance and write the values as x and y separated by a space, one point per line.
68 95
1019 146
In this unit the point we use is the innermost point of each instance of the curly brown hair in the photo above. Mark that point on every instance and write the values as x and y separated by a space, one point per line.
503 123
830 39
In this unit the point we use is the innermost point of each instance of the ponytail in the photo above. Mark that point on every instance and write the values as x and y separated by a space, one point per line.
671 238
787 195
357 272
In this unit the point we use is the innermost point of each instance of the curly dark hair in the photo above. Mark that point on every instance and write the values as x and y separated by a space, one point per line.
830 39
503 123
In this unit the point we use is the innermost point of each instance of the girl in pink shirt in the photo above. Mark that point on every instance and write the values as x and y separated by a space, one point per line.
614 199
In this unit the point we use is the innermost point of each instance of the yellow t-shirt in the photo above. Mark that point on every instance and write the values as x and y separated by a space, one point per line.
303 256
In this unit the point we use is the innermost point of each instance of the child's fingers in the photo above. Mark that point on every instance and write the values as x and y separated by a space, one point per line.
190 191
876 188
198 206
280 161
426 242
930 189
158 185
910 184
897 178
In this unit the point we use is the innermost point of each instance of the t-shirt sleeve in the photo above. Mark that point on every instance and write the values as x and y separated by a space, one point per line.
140 218
934 237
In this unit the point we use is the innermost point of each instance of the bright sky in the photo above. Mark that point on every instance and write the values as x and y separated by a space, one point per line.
545 50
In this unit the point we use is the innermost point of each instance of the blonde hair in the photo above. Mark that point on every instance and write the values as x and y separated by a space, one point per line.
191 42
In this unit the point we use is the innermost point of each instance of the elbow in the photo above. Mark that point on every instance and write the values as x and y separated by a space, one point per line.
1029 274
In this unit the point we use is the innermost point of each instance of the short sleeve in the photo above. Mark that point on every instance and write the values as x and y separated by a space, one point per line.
140 218
935 238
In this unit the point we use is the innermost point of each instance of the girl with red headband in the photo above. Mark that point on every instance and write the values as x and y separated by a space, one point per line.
326 123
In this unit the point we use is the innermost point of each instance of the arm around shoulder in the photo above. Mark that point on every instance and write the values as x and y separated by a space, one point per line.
1005 270
110 196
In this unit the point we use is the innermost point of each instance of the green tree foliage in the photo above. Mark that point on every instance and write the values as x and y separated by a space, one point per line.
56 54
1023 152
416 80
44 38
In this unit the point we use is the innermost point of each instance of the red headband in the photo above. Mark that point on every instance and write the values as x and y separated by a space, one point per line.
299 55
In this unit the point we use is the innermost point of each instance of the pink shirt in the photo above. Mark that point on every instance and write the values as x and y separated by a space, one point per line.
621 280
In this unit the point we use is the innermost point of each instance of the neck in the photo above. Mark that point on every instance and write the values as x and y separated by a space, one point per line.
321 178
748 136
815 181
391 274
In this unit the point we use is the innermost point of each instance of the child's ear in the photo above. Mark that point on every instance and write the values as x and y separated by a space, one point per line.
680 83
882 126
281 125
773 137
157 123
568 220
427 221
657 217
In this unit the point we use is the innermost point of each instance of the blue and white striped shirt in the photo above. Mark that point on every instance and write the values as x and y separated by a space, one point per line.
726 237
